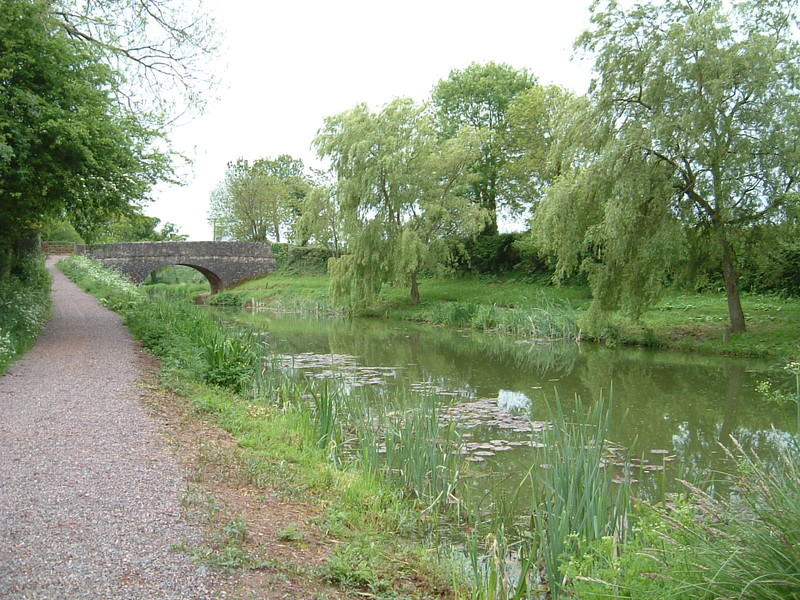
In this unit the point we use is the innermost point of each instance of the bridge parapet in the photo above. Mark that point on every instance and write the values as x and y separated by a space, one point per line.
223 263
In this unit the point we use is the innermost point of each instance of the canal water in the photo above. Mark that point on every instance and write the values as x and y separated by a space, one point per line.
675 412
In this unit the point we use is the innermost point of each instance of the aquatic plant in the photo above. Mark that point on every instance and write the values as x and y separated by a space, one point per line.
575 498
500 571
402 440
231 358
544 319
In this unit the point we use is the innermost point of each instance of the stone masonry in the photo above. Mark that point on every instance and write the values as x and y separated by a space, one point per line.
223 263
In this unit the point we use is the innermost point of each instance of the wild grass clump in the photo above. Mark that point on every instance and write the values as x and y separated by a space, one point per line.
402 441
546 320
24 308
576 500
745 544
750 546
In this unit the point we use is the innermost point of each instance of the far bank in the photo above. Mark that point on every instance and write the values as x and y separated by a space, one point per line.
691 322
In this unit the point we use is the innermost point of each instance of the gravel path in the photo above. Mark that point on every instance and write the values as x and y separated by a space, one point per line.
89 492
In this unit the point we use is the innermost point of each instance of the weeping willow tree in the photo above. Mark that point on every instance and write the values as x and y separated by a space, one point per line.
398 189
690 126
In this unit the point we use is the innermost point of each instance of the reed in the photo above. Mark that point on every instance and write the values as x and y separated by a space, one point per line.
575 499
499 570
325 412
544 318
754 551
399 440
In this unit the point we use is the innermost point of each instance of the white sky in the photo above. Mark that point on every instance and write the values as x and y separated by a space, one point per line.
290 64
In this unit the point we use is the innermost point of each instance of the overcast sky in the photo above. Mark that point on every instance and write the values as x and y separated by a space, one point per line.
287 65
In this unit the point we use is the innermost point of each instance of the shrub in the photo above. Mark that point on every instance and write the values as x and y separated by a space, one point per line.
305 260
24 308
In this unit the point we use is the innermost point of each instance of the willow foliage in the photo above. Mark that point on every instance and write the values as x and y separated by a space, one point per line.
690 123
398 187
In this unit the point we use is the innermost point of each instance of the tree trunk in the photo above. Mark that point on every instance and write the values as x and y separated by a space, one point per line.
490 204
731 279
414 289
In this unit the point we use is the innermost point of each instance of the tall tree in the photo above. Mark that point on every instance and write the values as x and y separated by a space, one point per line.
259 201
135 226
532 119
321 219
397 185
691 123
479 97
66 148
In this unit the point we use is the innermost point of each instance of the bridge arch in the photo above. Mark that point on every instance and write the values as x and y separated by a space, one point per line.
214 280
223 263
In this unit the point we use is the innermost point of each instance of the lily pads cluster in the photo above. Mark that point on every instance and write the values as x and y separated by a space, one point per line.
343 367
480 451
428 387
487 412
630 467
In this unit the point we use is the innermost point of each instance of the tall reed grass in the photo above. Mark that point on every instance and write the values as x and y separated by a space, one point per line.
574 502
576 498
547 319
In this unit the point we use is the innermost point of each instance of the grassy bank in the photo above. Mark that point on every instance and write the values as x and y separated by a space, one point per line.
390 498
686 322
24 308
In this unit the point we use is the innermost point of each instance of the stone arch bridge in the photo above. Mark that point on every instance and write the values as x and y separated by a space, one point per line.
223 263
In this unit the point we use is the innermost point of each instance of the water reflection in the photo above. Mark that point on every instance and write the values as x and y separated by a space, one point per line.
664 403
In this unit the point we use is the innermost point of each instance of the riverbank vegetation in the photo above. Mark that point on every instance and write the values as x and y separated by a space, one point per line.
681 320
393 486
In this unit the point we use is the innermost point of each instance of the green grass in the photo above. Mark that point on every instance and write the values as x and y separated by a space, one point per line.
697 322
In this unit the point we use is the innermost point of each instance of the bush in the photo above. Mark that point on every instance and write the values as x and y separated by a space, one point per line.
227 298
24 308
301 260
787 260
505 254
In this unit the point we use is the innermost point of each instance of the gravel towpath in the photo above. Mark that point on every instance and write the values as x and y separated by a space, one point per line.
89 491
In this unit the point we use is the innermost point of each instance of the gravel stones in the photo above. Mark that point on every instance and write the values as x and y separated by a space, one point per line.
89 492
